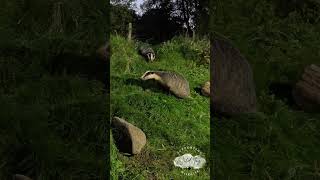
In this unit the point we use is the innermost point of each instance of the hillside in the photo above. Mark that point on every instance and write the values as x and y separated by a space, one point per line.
168 122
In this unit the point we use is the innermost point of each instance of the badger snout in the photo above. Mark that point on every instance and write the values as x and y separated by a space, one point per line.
151 56
143 77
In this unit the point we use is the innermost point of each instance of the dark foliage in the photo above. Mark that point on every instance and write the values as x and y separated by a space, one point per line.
121 15
156 26
53 125
161 19
279 142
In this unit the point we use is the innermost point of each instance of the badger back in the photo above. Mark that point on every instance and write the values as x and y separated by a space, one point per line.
176 84
146 50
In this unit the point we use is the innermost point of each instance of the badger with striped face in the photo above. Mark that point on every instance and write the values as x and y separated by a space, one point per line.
148 53
176 83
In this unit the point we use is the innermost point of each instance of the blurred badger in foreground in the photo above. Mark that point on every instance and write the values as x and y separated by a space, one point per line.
94 66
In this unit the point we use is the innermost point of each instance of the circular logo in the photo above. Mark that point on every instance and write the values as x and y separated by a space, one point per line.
190 160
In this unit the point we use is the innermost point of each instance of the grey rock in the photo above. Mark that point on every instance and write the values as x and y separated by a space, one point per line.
129 138
306 92
205 90
232 88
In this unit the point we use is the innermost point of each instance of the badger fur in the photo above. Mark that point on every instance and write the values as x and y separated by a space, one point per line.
147 52
176 83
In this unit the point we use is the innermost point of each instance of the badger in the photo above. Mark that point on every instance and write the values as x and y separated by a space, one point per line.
147 52
176 83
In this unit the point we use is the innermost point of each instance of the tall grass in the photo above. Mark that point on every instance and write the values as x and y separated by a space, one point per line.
52 126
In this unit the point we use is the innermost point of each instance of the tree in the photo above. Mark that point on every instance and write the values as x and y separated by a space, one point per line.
156 25
121 14
191 14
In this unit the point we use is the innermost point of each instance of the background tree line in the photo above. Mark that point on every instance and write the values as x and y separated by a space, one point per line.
161 19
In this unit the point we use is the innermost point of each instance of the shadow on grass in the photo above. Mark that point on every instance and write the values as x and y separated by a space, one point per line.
198 90
283 92
151 85
122 142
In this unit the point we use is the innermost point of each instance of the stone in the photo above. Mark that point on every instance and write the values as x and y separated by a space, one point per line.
129 138
233 89
205 90
306 92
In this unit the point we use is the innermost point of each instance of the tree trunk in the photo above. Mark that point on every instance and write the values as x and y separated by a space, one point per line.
188 16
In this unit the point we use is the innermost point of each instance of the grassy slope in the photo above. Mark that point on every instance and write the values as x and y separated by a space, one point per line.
169 123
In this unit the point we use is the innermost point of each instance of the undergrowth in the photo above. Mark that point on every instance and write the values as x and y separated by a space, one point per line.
52 126
280 141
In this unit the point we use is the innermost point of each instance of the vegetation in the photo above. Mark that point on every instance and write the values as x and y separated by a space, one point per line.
53 126
168 122
281 141
160 20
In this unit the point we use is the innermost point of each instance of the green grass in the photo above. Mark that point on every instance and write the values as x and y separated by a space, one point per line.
168 122
53 128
